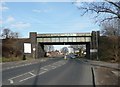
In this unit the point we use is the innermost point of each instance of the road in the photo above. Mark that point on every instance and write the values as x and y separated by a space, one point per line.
55 71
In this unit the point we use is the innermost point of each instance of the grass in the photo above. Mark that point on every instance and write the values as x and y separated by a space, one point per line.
0 59
13 59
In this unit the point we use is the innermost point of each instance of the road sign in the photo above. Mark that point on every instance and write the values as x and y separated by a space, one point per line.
27 47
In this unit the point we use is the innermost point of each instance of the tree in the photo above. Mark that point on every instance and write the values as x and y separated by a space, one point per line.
49 48
104 11
7 33
77 47
107 14
107 11
64 50
14 34
111 28
109 49
112 33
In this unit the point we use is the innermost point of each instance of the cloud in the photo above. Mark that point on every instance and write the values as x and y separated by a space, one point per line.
41 11
3 8
10 19
1 22
20 25
37 10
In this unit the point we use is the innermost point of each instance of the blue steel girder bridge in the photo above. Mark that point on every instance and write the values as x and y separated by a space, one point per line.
39 40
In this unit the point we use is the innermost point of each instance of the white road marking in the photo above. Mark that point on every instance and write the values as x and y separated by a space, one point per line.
116 73
31 76
27 78
46 68
32 73
53 67
19 75
20 65
11 81
42 72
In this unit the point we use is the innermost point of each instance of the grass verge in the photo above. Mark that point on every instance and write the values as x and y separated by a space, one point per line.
11 59
3 59
0 59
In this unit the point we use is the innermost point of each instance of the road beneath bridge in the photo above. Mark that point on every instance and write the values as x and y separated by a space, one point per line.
55 71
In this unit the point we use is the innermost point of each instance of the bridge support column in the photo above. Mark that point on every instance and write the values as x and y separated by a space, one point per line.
95 39
33 40
88 50
40 50
95 44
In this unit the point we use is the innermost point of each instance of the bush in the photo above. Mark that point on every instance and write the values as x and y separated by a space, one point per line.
108 49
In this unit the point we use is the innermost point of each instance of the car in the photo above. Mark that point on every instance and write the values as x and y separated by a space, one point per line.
72 56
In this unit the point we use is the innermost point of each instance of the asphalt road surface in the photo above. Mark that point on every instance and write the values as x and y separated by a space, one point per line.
55 71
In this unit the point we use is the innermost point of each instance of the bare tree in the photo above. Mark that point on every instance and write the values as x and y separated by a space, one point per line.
64 50
111 28
7 33
104 11
77 47
112 31
107 14
49 48
14 35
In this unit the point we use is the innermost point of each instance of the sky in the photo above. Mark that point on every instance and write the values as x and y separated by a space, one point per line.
44 17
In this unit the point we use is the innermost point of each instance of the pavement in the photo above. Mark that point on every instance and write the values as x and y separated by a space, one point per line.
105 73
105 76
102 64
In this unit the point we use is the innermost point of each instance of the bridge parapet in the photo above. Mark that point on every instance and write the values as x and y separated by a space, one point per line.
64 34
64 37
